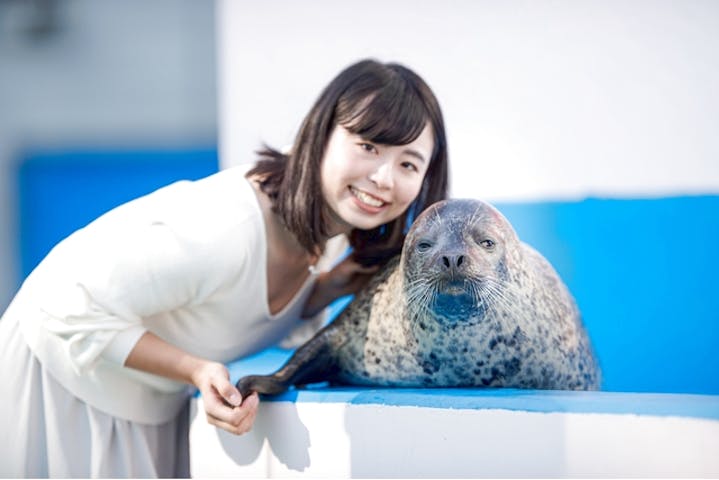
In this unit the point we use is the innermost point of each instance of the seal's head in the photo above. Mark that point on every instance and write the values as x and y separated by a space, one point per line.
455 259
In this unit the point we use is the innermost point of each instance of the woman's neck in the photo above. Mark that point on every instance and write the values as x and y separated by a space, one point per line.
282 243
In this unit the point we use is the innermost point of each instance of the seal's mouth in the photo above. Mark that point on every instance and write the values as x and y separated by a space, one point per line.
454 287
456 308
449 300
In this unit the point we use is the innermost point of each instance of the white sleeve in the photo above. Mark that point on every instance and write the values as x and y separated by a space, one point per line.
123 278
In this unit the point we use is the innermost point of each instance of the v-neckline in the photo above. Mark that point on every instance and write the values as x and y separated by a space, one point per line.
265 270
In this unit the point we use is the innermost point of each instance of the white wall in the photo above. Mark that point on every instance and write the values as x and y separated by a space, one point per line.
116 74
542 99
333 439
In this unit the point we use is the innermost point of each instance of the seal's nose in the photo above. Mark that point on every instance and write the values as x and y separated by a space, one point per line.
452 261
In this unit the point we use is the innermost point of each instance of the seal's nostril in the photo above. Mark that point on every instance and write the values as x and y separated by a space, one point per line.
445 260
460 259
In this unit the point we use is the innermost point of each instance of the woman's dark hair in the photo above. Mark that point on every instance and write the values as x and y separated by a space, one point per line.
383 103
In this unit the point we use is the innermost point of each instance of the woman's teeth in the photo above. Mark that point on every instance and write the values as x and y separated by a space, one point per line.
366 198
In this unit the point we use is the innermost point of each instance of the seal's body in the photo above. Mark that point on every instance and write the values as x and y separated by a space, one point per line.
466 304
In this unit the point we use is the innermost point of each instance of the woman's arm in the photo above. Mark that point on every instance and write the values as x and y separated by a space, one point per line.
224 406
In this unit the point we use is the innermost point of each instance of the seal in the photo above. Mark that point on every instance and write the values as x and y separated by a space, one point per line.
466 304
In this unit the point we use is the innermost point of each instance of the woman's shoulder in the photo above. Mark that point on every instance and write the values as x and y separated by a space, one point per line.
220 206
226 199
226 182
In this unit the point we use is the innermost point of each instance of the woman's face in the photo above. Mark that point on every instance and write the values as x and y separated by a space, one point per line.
366 184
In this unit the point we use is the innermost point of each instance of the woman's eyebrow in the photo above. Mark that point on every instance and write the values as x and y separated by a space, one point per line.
415 153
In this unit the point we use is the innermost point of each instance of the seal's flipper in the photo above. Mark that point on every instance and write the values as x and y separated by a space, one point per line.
313 362
265 384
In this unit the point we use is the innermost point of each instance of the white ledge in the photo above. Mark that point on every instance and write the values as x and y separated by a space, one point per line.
366 432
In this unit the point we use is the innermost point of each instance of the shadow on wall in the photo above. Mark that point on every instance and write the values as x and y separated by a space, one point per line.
287 437
430 441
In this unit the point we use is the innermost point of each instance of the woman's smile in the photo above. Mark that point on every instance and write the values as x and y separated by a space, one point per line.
365 199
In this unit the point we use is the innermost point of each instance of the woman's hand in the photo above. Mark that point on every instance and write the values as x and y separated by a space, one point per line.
224 406
223 403
347 277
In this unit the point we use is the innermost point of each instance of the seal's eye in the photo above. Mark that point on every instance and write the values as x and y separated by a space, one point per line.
424 245
487 243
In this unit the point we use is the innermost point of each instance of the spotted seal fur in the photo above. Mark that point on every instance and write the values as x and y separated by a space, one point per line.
466 304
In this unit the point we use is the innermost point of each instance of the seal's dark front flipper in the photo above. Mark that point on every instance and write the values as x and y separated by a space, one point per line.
313 362
265 384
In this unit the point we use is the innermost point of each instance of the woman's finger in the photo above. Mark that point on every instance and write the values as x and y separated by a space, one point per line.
235 420
228 427
227 391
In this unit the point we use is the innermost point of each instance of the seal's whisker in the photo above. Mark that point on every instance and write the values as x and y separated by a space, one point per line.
503 297
420 294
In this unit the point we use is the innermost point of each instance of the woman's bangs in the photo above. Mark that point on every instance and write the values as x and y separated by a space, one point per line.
391 116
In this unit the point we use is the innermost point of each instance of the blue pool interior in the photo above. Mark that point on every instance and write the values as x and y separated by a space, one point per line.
643 271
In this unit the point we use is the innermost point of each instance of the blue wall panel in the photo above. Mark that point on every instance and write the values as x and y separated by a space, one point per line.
644 273
61 191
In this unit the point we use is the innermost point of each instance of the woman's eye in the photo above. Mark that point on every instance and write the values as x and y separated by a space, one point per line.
368 147
410 166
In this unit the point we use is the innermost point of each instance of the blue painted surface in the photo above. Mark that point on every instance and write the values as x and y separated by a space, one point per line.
654 404
644 274
61 191
643 271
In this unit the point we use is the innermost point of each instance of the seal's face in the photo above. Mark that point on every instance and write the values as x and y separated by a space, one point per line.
454 260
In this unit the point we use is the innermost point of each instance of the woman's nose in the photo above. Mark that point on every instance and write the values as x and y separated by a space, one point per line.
382 175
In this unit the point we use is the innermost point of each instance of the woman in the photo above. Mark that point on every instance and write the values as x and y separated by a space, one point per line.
102 344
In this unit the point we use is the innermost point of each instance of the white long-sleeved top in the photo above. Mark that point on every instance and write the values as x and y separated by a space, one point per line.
187 262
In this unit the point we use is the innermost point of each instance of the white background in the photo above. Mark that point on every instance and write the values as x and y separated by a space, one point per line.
542 99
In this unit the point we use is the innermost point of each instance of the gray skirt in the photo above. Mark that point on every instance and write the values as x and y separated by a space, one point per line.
45 431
